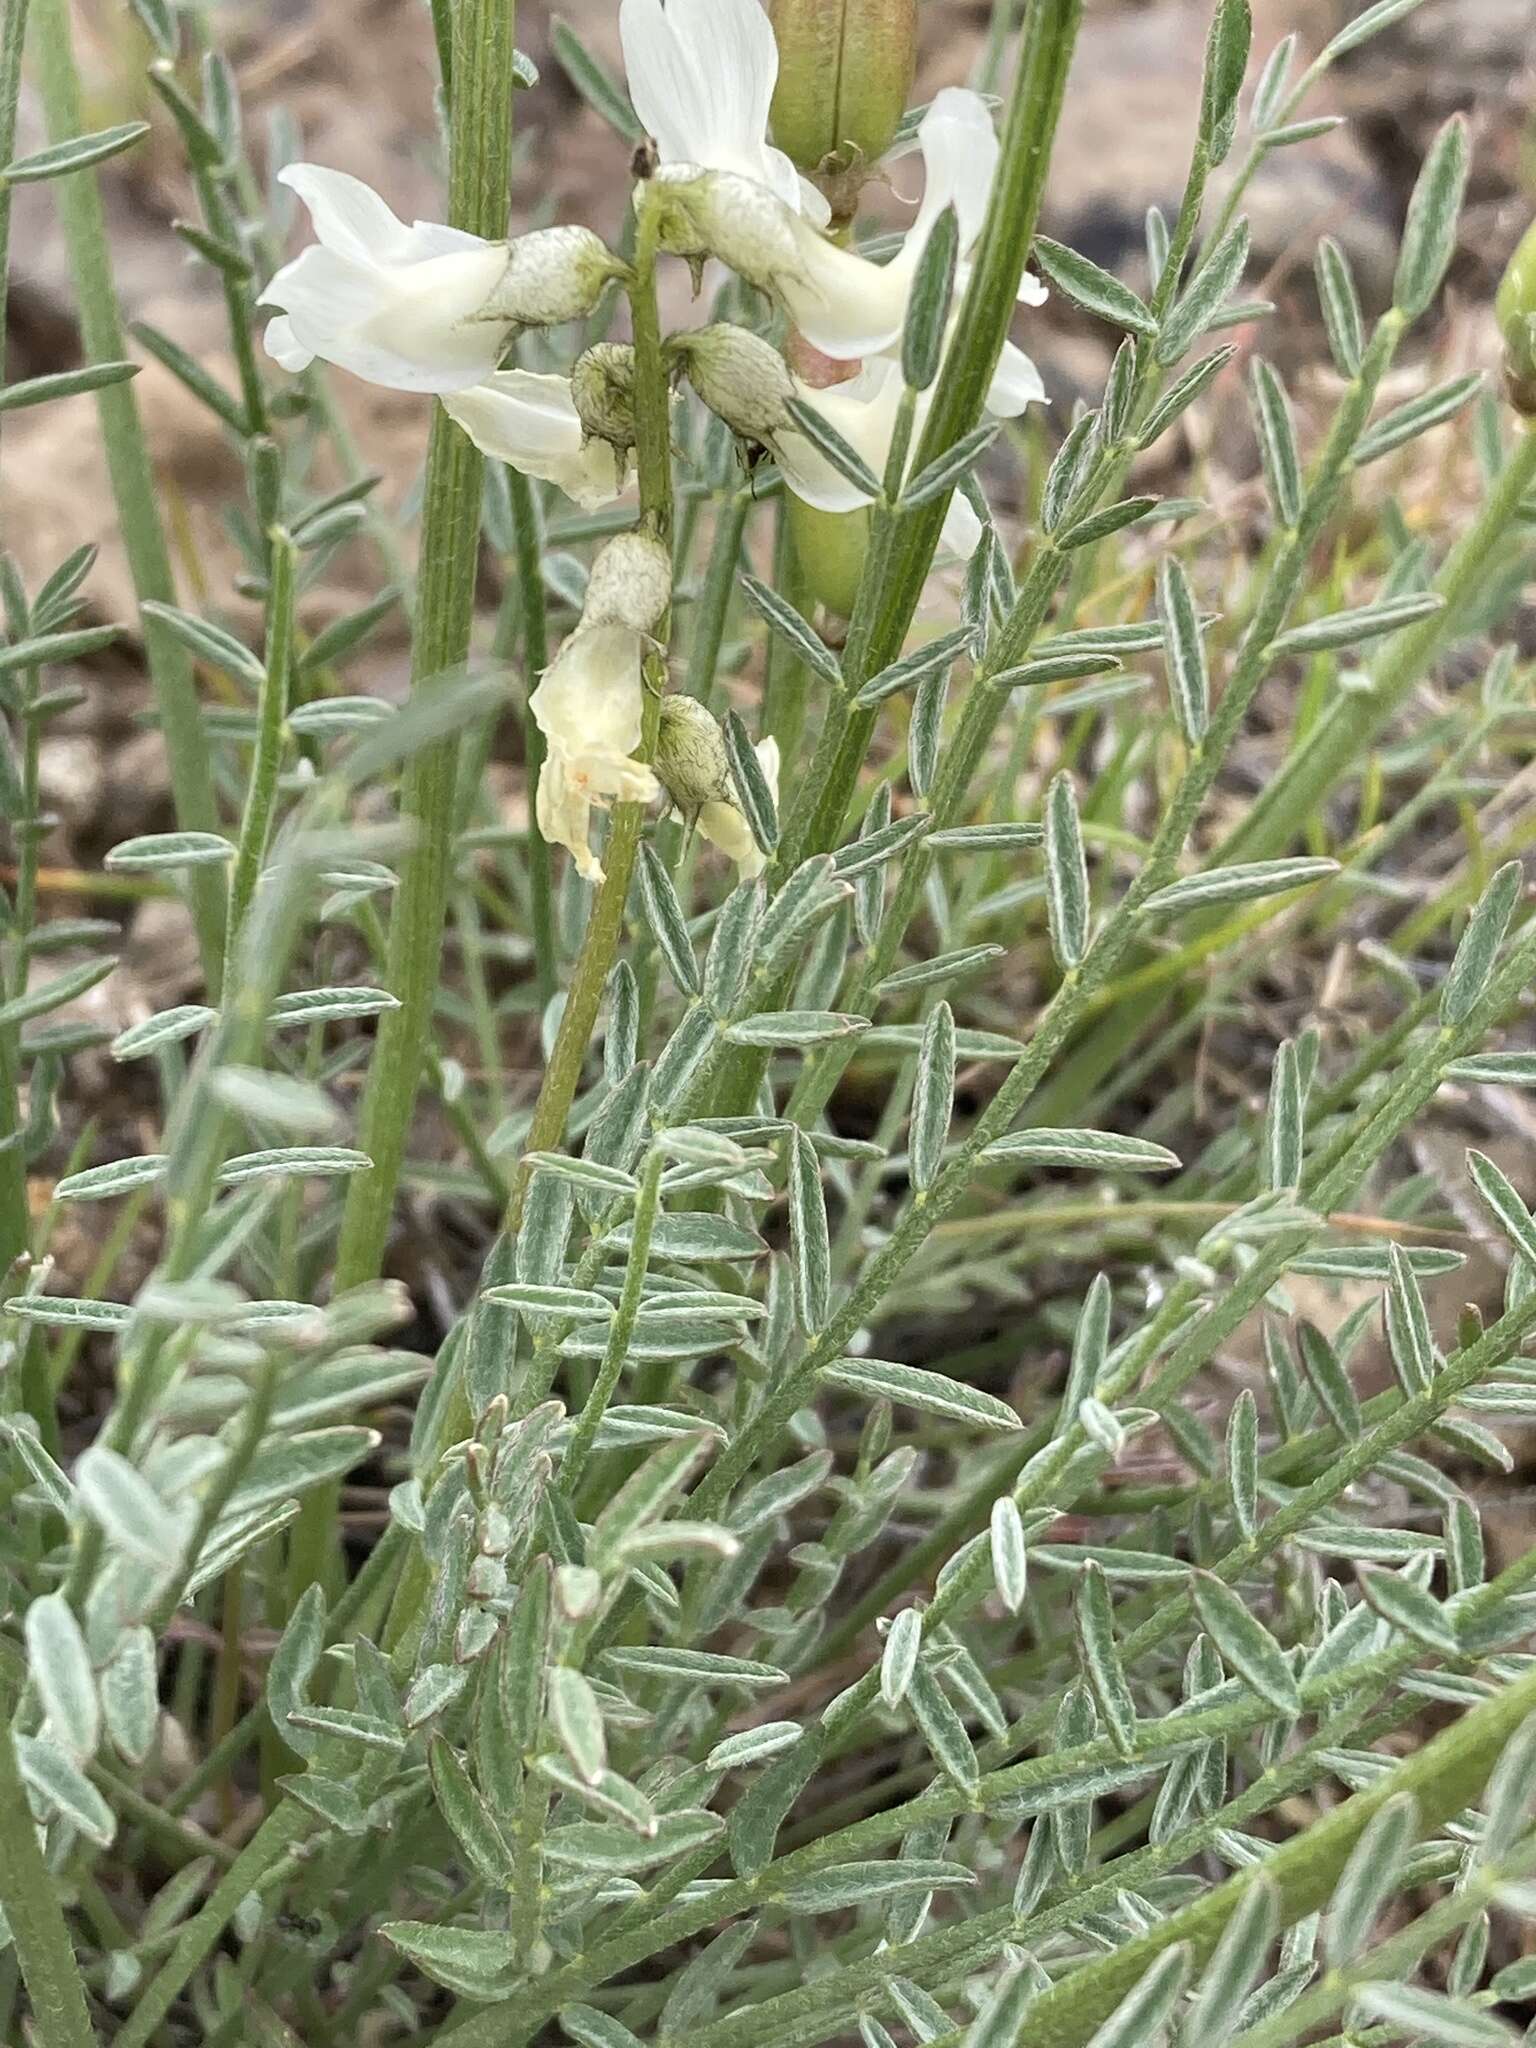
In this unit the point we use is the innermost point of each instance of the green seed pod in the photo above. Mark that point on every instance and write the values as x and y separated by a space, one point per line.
1515 308
845 73
690 754
830 548
739 376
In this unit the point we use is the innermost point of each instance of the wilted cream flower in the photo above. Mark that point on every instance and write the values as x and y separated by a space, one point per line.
590 702
700 212
695 770
553 275
419 308
590 707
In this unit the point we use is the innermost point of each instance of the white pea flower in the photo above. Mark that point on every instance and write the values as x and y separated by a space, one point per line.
701 75
590 707
844 304
590 702
530 421
747 383
863 410
723 824
419 308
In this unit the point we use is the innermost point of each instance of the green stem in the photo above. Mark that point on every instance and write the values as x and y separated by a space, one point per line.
984 703
30 1898
1034 107
179 1841
479 179
1031 1786
1045 1478
902 543
535 632
1331 1182
271 711
811 2012
1327 755
788 679
220 223
528 1861
620 1330
196 1142
349 1611
1394 1960
714 604
1446 1775
970 1512
133 482
250 1428
1335 744
15 1218
13 36
15 1221
1043 1484
260 1864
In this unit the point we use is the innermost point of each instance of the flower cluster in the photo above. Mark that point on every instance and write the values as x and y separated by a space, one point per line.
431 309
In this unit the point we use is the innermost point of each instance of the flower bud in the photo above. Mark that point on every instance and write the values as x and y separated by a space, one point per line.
1515 308
739 376
690 754
845 73
830 548
630 584
603 392
552 275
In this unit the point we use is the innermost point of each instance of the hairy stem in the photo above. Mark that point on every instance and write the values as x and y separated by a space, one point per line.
15 1221
478 182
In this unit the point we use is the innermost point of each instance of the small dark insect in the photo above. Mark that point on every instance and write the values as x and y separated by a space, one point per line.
753 456
643 163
